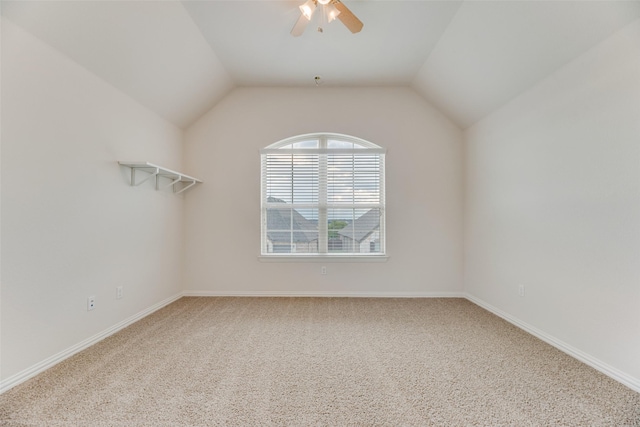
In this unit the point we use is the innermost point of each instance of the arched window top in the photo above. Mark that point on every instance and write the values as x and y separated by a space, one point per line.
322 142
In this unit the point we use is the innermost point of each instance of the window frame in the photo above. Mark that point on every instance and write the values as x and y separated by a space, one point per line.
364 147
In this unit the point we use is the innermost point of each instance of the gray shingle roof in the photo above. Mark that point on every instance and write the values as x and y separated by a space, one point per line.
304 230
359 229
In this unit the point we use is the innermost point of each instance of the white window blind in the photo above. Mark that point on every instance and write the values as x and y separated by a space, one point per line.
322 194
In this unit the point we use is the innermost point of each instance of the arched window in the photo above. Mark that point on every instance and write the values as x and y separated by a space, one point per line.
323 194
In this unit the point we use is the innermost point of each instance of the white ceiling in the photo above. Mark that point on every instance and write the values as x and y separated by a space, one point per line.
467 58
253 41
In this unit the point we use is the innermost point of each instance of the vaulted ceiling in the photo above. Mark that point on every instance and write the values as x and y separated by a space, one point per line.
179 58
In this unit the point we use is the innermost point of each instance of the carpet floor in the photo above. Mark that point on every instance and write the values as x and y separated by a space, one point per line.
320 362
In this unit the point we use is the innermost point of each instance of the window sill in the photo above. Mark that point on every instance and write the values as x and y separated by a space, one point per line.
323 258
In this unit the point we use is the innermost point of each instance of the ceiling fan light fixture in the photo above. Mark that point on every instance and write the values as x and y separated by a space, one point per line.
332 12
307 9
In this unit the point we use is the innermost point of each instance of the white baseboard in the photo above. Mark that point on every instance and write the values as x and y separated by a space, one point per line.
34 370
323 294
621 377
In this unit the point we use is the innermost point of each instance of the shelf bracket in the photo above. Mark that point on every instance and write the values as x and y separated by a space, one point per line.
171 184
186 187
151 175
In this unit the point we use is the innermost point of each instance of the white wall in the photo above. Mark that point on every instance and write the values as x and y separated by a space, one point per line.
424 192
553 203
71 225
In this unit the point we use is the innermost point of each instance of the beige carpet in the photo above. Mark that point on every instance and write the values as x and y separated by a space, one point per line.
321 362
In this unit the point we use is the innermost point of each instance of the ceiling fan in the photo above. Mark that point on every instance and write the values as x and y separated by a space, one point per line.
331 9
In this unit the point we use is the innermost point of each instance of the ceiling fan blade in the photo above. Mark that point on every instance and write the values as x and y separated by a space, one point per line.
348 18
300 25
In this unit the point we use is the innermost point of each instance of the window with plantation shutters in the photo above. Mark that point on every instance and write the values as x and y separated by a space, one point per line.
323 195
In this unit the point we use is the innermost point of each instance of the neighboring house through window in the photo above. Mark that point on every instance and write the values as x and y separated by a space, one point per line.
323 195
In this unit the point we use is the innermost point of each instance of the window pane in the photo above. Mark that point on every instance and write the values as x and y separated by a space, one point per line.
289 231
353 179
354 230
292 178
337 143
337 220
332 143
305 179
306 144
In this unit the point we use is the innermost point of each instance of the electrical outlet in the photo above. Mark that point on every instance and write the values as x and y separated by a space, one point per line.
521 290
91 303
323 270
119 292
